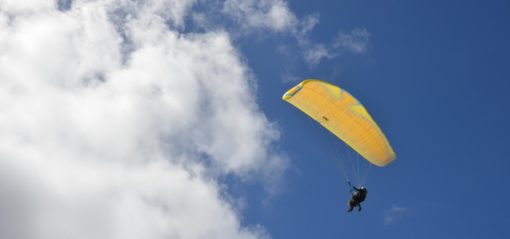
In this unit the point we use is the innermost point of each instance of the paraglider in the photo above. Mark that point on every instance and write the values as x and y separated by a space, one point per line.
358 196
343 116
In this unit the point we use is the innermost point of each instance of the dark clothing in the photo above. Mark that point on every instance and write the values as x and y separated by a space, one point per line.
358 196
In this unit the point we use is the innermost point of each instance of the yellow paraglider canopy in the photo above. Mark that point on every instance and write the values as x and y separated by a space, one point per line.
344 116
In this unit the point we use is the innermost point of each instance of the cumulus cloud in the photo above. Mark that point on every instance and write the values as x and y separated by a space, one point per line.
393 214
117 125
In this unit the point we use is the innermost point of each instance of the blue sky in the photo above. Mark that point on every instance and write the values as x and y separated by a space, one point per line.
435 77
164 119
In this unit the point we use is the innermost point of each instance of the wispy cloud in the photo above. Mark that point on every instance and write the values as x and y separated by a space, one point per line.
273 15
393 214
356 41
248 17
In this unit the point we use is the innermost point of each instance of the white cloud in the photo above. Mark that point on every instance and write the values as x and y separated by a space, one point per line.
393 214
356 41
27 6
263 16
315 53
100 142
272 15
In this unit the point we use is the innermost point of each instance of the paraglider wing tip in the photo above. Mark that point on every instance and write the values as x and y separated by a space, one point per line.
385 162
292 92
